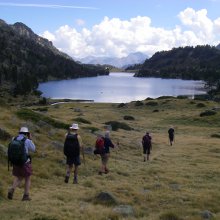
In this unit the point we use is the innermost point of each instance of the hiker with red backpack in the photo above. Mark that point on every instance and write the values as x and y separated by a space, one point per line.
72 147
147 145
102 147
18 156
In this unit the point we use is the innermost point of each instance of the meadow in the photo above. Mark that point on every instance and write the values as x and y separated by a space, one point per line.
180 182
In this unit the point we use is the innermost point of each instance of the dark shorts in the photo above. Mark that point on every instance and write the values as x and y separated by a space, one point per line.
23 171
73 160
171 137
104 158
146 150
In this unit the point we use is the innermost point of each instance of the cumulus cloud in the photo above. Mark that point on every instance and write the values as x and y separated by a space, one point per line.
117 38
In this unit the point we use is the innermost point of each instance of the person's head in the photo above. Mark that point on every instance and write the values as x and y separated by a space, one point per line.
74 127
107 134
147 133
24 131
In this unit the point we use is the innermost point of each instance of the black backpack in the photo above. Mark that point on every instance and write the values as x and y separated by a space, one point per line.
146 141
71 146
16 152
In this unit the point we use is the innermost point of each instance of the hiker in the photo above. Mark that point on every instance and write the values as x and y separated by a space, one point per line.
22 168
72 147
107 144
147 145
171 135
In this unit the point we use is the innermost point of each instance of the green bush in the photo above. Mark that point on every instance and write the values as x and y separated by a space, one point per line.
128 117
200 105
166 97
118 125
151 103
82 120
202 97
207 113
182 97
121 105
28 114
215 135
139 103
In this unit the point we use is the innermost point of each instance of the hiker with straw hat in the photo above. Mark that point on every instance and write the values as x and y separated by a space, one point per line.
72 147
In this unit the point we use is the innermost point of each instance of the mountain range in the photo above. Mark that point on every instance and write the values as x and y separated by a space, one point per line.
27 59
124 62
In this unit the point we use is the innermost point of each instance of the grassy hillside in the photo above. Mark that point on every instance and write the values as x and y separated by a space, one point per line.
179 181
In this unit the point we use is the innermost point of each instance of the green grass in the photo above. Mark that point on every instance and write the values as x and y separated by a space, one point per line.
178 183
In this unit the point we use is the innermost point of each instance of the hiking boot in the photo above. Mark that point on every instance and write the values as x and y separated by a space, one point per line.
66 179
75 180
26 197
106 170
100 172
10 193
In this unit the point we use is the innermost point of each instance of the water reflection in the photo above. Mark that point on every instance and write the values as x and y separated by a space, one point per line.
119 87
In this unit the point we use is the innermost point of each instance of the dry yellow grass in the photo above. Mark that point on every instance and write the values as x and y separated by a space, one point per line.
179 181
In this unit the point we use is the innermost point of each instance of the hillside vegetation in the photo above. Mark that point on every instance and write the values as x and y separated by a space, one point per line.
27 57
180 182
197 63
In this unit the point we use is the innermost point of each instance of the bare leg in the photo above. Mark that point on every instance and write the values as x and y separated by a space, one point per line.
75 180
16 182
27 185
68 172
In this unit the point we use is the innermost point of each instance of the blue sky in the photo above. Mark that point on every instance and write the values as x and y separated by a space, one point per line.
118 27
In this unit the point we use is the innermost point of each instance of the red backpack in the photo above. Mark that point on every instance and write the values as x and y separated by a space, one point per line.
99 146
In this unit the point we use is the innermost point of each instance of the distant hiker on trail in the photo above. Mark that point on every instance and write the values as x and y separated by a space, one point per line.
147 145
18 155
72 147
102 147
171 135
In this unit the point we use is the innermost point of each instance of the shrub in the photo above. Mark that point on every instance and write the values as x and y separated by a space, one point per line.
200 105
41 109
215 135
128 117
207 113
118 125
155 110
121 105
43 101
139 103
201 97
166 97
28 114
182 97
82 120
151 103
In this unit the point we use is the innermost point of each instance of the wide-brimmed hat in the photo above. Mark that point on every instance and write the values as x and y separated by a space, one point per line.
24 130
74 126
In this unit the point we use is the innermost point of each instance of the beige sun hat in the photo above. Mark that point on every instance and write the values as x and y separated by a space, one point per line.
24 130
74 126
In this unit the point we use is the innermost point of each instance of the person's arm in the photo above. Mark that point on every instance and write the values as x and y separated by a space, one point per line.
30 145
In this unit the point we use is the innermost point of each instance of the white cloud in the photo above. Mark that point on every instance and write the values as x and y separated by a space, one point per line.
118 38
80 22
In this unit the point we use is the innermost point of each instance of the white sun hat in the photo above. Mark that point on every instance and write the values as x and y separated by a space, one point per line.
74 126
24 130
